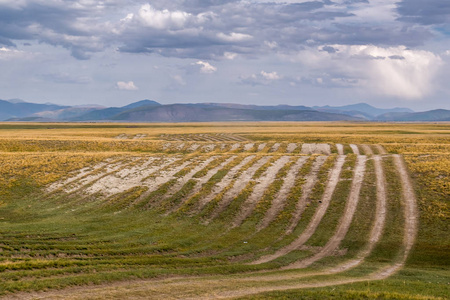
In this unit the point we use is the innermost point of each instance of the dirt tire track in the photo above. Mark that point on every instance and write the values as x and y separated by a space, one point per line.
238 186
354 149
82 173
226 180
261 147
367 150
249 146
316 149
311 180
411 218
123 179
345 221
235 147
380 219
381 149
163 177
91 179
340 149
183 180
258 191
291 147
333 180
201 181
150 287
275 147
280 199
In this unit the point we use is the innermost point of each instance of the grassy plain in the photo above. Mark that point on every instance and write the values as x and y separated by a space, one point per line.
127 244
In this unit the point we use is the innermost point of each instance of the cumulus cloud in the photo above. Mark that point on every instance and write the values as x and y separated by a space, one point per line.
163 19
8 53
206 67
127 86
262 78
270 76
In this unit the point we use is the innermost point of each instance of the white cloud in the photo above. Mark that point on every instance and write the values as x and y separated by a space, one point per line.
231 55
127 86
263 78
234 37
6 54
162 19
206 67
270 76
179 79
393 71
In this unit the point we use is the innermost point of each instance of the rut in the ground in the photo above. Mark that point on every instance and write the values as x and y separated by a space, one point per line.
411 218
183 180
345 221
333 180
258 191
226 181
201 181
340 149
261 147
291 147
367 150
280 199
205 287
307 188
82 173
93 176
123 179
238 186
378 226
163 176
380 149
275 147
354 149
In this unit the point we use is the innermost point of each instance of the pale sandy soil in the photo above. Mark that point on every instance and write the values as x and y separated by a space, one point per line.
238 186
280 199
258 191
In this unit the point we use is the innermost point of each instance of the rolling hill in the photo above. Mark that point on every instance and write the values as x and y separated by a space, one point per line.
152 111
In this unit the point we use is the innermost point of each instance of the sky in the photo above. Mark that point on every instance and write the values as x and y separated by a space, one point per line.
386 53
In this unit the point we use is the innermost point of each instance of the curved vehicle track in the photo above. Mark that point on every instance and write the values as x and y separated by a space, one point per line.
230 286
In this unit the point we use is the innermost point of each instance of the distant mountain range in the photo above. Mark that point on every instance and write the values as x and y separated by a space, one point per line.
152 111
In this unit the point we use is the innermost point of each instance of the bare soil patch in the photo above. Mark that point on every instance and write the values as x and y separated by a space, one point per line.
259 190
226 181
316 149
333 179
367 150
340 149
354 149
261 147
238 186
310 181
345 221
280 199
291 147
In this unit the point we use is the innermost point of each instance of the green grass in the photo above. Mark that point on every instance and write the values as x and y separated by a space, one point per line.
52 241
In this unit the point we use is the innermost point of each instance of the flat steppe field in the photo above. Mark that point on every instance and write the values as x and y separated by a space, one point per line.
225 210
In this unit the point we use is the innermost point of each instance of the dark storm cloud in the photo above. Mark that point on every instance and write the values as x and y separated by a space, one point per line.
427 12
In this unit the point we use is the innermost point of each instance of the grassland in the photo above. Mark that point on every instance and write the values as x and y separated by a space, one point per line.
188 211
